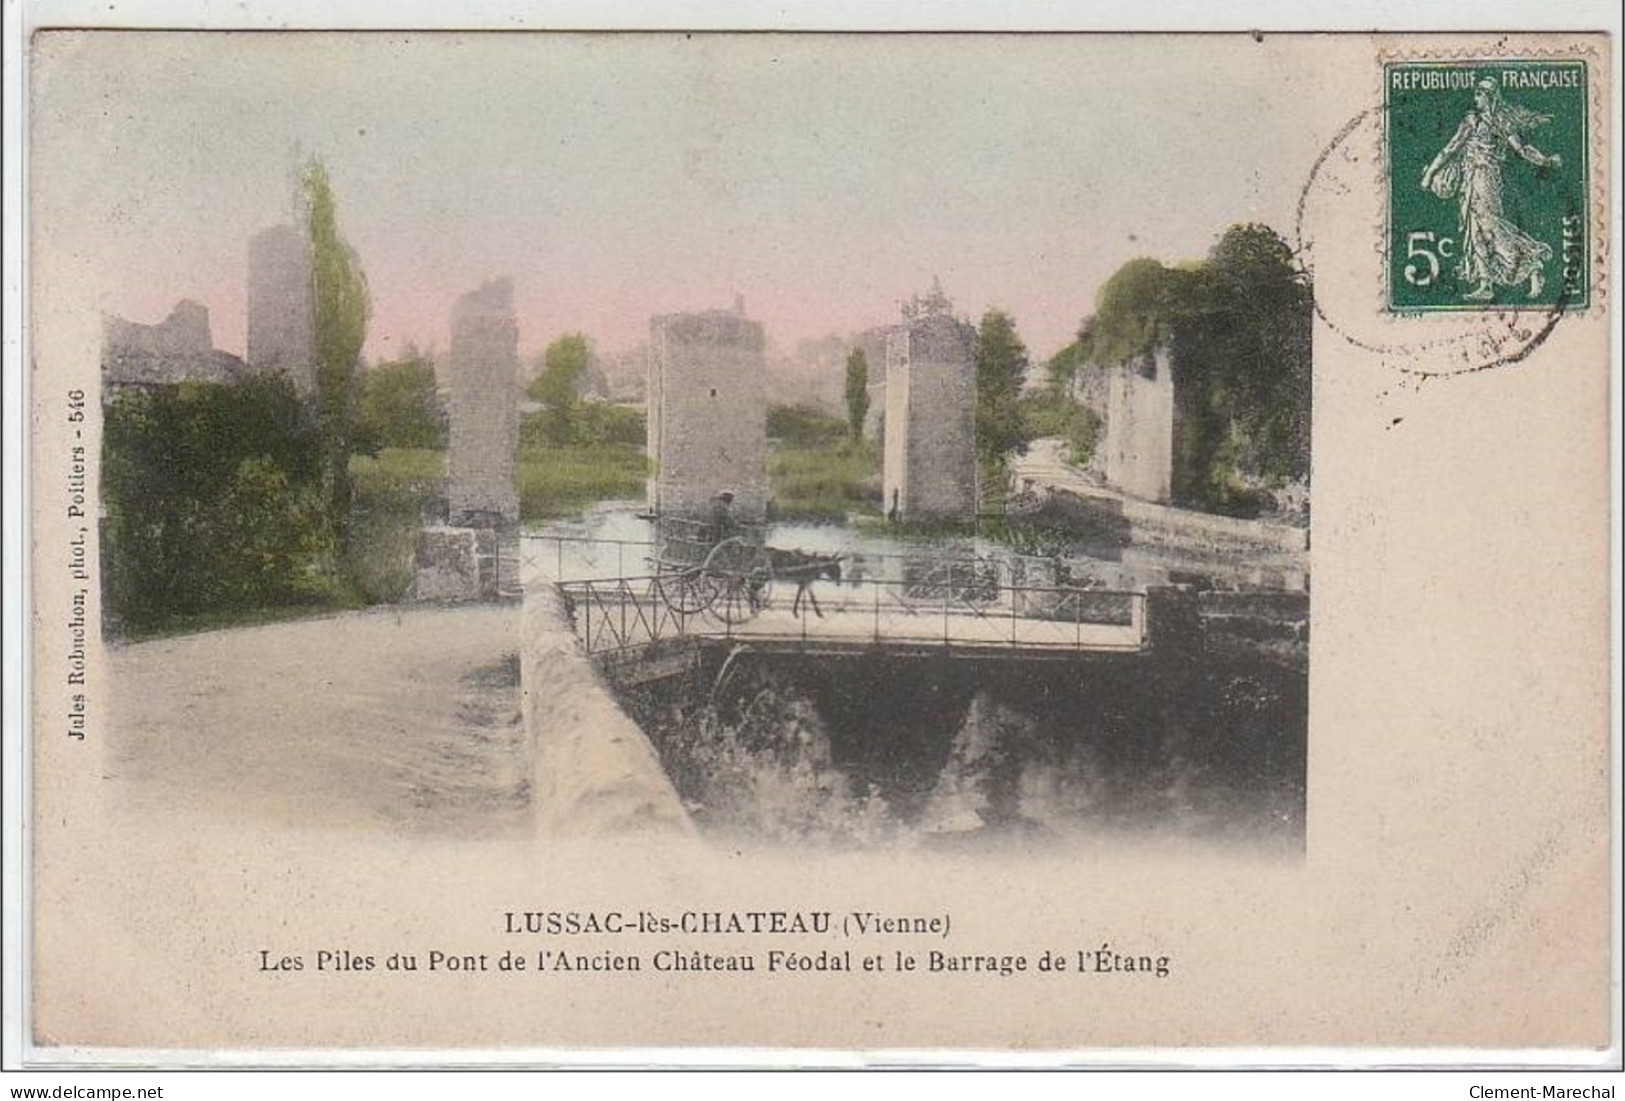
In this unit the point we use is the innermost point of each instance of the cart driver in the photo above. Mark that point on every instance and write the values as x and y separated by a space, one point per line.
722 516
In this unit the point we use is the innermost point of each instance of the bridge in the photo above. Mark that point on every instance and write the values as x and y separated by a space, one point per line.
962 606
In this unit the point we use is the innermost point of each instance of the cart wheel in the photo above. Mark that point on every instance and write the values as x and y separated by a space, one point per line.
742 596
745 588
729 556
686 589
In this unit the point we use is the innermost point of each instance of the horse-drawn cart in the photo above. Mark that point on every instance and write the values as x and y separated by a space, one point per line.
698 568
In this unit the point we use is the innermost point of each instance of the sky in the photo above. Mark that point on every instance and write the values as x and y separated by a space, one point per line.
612 177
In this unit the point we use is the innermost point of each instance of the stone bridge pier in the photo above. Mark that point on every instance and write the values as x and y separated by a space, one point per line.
475 554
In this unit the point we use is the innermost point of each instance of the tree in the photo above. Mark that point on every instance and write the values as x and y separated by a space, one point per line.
857 392
1001 365
935 303
342 307
400 406
564 365
1134 310
1244 346
1257 280
1062 370
1238 325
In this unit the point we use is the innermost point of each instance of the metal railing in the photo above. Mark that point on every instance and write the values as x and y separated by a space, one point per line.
624 613
585 557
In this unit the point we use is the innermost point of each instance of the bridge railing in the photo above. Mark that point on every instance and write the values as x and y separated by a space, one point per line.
622 614
625 613
955 612
584 557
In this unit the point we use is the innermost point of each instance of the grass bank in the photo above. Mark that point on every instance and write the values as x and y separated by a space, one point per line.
828 481
557 481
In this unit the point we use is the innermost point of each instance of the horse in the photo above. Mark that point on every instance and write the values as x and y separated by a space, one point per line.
804 567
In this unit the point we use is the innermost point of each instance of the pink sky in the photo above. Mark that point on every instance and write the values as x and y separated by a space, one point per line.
612 177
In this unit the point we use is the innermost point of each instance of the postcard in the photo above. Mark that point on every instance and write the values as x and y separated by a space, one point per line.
548 544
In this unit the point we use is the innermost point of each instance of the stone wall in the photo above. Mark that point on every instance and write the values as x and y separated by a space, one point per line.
281 306
177 349
1138 450
464 564
929 466
448 569
183 334
482 372
707 413
596 773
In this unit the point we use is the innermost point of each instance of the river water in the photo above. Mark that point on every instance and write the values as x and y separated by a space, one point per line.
919 753
614 540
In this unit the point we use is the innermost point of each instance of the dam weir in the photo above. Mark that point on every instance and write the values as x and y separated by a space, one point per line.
1200 732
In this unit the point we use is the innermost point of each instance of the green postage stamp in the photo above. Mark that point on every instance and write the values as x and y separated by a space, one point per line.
1487 185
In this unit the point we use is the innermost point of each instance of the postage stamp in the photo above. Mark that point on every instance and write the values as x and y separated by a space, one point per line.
1487 185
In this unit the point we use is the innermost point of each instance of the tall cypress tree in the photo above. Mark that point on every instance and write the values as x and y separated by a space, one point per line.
857 392
341 307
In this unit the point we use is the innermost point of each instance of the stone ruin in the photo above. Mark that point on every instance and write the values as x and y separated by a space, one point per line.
707 413
179 348
1137 453
929 459
281 306
475 554
483 373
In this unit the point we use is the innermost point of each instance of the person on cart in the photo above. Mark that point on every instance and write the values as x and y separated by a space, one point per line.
723 524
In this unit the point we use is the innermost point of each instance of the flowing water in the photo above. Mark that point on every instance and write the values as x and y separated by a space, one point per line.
863 752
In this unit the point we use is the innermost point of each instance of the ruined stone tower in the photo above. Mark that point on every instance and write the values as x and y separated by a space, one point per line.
483 366
1140 425
177 349
929 469
281 306
707 413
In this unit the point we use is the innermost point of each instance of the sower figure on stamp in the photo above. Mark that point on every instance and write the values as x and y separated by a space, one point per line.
1494 251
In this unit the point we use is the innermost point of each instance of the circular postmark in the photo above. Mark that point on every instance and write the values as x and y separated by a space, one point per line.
1342 239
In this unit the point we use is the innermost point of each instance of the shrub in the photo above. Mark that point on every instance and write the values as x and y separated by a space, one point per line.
803 426
394 492
212 500
589 424
1054 414
400 407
